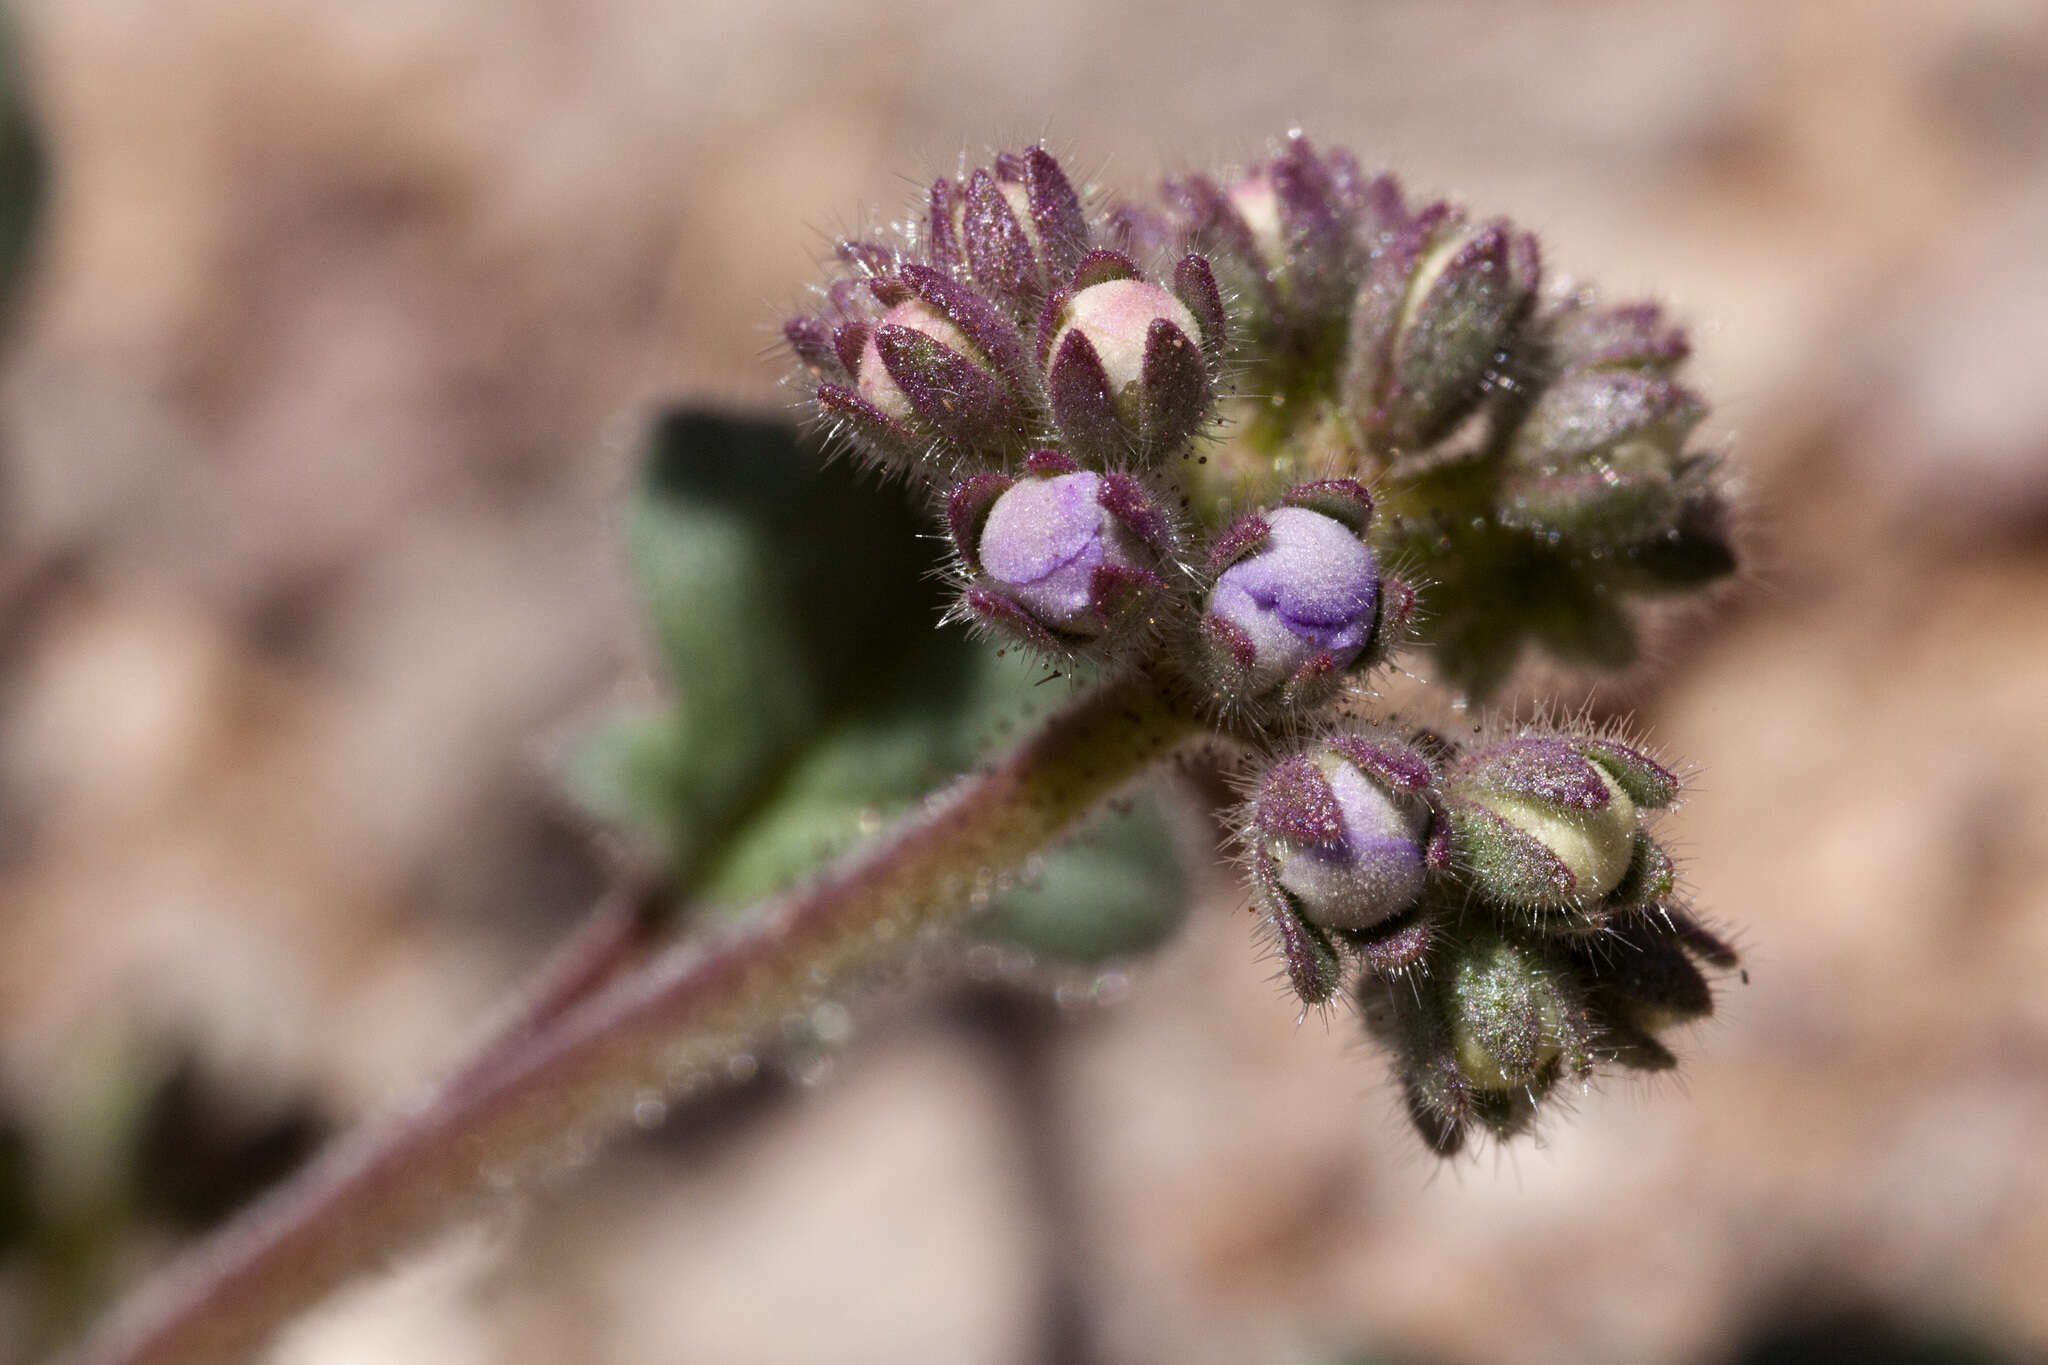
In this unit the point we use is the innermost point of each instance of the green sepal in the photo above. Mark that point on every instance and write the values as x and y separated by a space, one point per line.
1651 876
1504 861
1648 783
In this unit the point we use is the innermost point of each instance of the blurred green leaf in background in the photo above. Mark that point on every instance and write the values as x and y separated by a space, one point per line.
814 698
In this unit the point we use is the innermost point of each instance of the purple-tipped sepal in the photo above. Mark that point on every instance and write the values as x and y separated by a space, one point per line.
1064 559
1599 457
1582 335
1543 823
1013 230
1288 238
1345 843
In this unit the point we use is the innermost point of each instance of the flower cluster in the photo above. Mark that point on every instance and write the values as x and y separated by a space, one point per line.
1528 440
1188 439
1508 917
1296 322
1011 351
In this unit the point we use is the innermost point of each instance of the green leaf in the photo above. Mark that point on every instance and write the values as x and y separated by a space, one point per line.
23 173
1116 889
815 699
781 592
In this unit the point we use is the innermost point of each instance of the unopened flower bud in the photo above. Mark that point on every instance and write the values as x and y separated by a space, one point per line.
1515 1019
1484 1037
1539 826
1295 606
875 383
1125 364
1060 557
1583 336
1288 238
1342 841
1441 301
1617 498
1013 230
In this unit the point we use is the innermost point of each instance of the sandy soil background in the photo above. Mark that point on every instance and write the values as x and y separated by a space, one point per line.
314 416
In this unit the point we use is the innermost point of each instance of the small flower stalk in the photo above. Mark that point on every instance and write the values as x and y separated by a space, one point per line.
1183 440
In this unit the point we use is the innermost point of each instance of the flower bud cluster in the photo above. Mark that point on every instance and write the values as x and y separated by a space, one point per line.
1003 324
1188 440
1530 445
1043 384
1599 459
1508 920
1007 352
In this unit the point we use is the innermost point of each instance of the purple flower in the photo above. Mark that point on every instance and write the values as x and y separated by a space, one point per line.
1309 590
1348 850
1043 542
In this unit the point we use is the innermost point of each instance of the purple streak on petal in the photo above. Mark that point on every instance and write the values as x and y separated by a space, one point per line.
1042 542
1310 589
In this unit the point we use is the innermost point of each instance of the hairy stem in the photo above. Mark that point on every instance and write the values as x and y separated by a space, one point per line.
665 1028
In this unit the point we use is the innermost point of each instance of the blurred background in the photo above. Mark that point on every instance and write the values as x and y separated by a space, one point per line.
338 332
